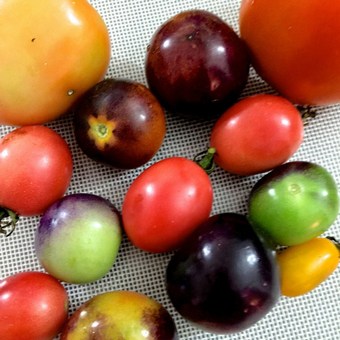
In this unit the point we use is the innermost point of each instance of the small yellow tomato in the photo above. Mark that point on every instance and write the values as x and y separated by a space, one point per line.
51 52
304 266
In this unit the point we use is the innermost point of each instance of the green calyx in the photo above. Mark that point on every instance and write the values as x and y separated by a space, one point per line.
205 160
8 221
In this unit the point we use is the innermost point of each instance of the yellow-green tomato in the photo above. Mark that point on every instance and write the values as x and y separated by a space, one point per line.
117 315
294 203
304 266
51 52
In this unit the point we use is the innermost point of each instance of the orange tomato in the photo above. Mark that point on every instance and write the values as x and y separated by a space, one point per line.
295 47
304 266
51 52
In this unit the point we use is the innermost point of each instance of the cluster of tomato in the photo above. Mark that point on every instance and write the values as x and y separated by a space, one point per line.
122 123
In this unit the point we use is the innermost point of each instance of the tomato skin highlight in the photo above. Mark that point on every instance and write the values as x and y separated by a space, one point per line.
37 164
295 48
305 266
33 305
50 57
166 203
256 134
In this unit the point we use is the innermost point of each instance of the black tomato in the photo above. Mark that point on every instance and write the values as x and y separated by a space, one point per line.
196 64
224 278
120 123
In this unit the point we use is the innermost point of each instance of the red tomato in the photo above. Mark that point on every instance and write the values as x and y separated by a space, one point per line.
37 165
294 46
166 203
256 134
33 305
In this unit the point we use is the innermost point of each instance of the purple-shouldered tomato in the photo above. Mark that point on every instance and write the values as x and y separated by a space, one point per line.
78 238
120 123
121 314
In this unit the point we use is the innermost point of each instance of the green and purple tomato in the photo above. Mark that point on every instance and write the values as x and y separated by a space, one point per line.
224 278
120 314
119 123
78 238
294 203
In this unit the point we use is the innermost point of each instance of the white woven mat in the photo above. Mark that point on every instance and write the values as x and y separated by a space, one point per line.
131 24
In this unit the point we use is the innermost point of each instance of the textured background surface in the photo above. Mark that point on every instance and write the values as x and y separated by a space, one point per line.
131 24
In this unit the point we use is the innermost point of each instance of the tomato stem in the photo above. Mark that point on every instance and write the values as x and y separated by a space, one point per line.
205 160
307 112
8 219
335 241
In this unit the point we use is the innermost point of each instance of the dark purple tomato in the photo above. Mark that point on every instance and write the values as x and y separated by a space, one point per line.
196 64
120 123
224 278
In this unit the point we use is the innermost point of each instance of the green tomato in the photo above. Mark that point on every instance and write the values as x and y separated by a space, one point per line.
78 238
293 203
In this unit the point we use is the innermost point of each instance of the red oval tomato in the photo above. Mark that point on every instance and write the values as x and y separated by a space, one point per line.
256 134
33 305
37 165
166 203
294 46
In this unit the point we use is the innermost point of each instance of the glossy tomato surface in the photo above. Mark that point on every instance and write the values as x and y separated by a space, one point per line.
305 266
165 203
37 164
121 314
119 122
78 238
223 279
56 51
196 64
294 203
33 305
294 47
256 134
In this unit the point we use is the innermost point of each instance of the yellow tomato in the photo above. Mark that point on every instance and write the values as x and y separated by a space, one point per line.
51 52
304 266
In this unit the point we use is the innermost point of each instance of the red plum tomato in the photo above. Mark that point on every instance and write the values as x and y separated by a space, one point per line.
37 164
165 203
33 305
257 134
120 123
294 46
